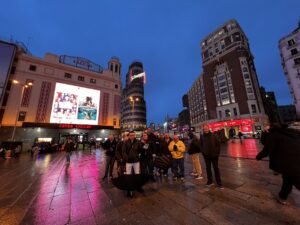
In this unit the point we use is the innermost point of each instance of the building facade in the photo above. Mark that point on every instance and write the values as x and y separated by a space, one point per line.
228 91
289 47
270 106
133 107
56 96
288 113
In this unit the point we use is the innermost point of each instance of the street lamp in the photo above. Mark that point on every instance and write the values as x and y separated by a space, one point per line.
26 85
133 100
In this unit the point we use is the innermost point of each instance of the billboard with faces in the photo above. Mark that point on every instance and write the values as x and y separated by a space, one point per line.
75 105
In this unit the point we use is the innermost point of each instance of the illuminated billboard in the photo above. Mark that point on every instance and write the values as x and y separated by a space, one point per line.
75 105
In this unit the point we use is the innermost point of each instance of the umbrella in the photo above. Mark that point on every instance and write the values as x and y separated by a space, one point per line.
162 162
130 182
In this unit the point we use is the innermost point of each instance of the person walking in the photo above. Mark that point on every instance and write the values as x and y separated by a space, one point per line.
177 149
194 151
282 147
210 147
110 151
68 149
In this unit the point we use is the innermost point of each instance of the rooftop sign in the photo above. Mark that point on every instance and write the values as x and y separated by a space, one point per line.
80 63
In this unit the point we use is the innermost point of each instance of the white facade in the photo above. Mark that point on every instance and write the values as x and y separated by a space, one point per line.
289 47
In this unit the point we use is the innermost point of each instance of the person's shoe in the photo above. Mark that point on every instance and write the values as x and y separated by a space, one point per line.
182 178
193 174
208 184
174 178
281 201
198 178
165 174
220 186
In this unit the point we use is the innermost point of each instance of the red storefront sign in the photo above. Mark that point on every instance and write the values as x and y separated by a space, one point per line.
245 125
79 126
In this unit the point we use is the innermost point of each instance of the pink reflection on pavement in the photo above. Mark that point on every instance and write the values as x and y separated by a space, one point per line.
247 149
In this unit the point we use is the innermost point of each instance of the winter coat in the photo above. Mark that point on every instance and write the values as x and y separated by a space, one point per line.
264 136
164 147
177 149
194 146
110 147
147 150
131 151
119 149
210 145
283 148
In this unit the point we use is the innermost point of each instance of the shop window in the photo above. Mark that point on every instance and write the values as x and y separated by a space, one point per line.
93 81
227 113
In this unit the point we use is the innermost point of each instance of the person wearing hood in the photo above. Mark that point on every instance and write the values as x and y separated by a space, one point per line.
282 147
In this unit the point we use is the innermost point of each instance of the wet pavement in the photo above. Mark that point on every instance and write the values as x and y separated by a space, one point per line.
45 190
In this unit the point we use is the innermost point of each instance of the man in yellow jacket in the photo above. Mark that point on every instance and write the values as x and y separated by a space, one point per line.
177 149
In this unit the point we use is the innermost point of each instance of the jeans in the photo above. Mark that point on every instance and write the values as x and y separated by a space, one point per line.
178 163
196 164
287 185
214 163
134 166
109 167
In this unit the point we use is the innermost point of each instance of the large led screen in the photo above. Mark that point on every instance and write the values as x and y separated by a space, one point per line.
76 105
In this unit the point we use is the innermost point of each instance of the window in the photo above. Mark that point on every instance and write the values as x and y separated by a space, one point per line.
249 90
291 42
227 113
245 69
116 70
21 116
235 111
32 68
223 90
297 61
68 75
81 78
222 84
294 51
253 108
111 67
115 122
224 97
93 81
221 78
246 76
116 86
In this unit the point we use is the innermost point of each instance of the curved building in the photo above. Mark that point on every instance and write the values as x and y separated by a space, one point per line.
133 107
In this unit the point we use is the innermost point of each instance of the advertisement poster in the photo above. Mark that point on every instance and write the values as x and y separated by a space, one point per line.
75 105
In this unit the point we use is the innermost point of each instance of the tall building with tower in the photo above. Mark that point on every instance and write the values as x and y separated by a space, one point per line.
133 107
229 83
289 47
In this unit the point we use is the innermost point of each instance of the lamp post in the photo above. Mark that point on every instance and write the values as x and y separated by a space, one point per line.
133 100
16 82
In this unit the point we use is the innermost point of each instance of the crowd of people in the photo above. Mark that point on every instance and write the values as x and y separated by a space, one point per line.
154 155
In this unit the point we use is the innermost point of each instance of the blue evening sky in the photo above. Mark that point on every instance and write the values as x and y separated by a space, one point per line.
164 35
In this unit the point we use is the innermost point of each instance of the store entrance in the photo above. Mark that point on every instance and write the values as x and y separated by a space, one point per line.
79 139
